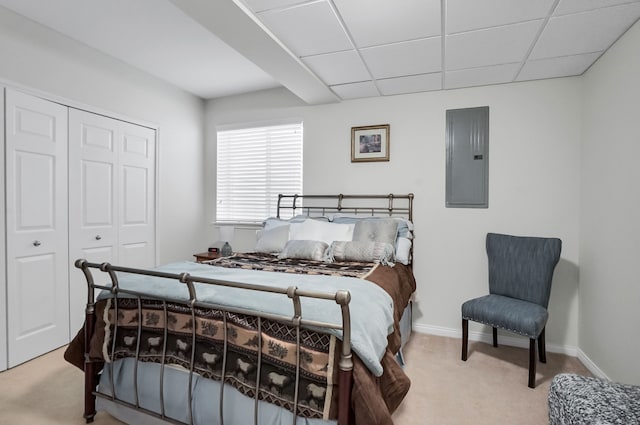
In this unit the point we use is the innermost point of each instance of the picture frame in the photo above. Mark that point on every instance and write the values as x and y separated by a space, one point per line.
370 143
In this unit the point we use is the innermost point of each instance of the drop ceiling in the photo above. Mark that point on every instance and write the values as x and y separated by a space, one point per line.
331 50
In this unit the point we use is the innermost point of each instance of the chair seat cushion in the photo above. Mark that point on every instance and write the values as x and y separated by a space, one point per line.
502 312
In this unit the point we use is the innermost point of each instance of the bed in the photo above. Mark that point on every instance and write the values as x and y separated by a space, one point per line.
306 330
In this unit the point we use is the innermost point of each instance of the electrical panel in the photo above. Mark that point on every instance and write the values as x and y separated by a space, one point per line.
467 138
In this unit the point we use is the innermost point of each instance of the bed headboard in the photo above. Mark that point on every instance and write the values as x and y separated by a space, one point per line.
391 205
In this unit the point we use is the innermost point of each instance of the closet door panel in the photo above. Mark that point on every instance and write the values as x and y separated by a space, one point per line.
3 271
35 268
97 194
36 225
111 198
93 161
137 196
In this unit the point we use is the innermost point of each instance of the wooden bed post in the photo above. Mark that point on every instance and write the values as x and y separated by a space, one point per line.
345 375
90 372
345 381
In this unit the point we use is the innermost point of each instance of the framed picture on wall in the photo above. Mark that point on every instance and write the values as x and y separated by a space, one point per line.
370 143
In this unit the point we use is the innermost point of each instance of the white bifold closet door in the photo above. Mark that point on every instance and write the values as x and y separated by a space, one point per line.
111 198
36 226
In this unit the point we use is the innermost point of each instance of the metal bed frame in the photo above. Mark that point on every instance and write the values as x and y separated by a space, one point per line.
342 297
392 205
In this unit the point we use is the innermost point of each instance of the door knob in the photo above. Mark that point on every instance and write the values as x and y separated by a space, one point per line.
98 237
36 243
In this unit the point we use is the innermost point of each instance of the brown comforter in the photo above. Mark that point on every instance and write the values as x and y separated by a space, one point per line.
373 398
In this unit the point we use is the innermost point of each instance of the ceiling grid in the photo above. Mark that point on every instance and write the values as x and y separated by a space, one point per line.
331 50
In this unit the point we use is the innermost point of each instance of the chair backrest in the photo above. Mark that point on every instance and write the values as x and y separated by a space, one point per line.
522 266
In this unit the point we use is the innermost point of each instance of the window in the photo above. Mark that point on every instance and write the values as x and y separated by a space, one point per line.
254 165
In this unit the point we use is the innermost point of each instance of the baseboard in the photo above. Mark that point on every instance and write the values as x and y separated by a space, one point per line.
589 364
513 341
437 330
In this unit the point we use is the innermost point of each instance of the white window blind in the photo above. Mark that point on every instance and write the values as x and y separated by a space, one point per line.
254 165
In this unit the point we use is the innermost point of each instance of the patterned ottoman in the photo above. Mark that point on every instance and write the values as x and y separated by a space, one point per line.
579 400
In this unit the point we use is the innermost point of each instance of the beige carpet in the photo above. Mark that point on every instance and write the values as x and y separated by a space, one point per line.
490 388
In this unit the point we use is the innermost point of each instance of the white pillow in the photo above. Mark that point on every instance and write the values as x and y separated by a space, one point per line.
272 222
320 231
403 250
272 240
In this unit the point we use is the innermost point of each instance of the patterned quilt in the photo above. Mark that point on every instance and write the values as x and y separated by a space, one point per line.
267 262
248 338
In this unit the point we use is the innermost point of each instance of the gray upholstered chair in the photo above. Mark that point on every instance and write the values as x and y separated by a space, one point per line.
520 273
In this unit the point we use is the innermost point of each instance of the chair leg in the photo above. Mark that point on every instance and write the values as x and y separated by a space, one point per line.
532 362
495 337
465 338
542 349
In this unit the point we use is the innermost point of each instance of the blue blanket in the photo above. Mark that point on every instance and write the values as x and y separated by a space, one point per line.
371 307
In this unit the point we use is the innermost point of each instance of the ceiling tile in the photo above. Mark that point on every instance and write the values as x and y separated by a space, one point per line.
261 5
566 7
557 67
400 59
411 84
356 90
466 15
309 29
338 68
585 32
481 76
375 22
492 46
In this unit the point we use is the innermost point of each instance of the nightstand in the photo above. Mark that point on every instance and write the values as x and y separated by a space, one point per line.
206 256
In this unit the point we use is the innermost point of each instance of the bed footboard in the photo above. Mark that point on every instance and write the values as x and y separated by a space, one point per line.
189 307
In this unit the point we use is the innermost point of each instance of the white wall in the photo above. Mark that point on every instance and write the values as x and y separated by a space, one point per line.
37 58
3 293
610 224
533 190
